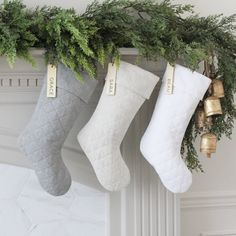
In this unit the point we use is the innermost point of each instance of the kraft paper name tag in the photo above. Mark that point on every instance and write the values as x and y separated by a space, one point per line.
111 79
170 71
51 81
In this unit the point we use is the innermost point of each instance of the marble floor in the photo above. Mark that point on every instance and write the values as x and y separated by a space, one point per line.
26 210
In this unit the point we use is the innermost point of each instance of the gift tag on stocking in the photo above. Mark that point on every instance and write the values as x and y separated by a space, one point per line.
51 81
111 79
170 70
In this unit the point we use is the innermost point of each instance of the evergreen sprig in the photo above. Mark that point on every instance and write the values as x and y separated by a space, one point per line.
157 30
15 35
66 37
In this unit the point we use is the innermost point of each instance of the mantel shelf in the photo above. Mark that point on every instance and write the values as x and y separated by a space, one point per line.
123 51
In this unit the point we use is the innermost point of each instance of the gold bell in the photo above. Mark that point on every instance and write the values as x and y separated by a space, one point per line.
212 106
208 144
200 118
218 88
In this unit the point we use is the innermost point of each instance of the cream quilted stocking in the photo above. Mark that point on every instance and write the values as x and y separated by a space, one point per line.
162 140
102 136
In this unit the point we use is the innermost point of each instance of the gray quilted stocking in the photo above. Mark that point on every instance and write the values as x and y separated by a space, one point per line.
42 139
102 136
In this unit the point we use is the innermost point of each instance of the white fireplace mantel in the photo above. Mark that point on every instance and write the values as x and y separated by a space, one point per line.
145 207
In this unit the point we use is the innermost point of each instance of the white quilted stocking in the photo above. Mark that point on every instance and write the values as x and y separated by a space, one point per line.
162 140
102 136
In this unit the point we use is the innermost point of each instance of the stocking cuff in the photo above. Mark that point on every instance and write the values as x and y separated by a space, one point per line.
136 79
66 80
189 81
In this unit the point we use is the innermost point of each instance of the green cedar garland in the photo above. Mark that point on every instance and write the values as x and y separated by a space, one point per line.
157 30
15 35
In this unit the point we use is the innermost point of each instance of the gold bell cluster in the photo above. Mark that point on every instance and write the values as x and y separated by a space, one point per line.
209 107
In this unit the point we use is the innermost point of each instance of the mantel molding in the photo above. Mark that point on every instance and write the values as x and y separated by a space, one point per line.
219 233
211 199
24 81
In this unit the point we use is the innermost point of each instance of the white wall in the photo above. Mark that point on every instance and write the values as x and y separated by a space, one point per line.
80 5
207 7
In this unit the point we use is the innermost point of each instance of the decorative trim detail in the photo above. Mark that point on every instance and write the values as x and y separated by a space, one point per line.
208 200
219 233
20 79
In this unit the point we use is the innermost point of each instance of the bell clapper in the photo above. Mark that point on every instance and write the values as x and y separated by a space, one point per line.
208 155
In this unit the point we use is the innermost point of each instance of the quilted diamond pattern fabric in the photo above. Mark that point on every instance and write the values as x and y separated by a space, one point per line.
53 118
162 140
102 136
